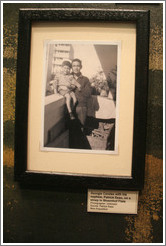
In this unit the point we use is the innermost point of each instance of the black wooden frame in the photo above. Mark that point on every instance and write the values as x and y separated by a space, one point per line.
26 17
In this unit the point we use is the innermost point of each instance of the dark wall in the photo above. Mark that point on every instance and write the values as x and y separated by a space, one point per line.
60 216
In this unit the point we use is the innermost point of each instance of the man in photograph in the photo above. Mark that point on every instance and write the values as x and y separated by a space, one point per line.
82 95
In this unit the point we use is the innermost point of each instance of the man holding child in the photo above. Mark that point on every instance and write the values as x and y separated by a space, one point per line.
74 87
84 93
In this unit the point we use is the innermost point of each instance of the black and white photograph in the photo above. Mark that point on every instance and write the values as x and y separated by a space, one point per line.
80 96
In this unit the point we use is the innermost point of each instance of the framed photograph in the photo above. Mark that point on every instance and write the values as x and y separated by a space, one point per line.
81 98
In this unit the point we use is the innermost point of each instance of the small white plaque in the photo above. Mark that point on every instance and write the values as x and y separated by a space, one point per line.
112 201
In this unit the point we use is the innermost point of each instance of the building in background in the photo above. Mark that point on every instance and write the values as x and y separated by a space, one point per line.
61 52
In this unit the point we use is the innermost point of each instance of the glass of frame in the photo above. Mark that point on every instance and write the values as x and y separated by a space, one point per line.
81 97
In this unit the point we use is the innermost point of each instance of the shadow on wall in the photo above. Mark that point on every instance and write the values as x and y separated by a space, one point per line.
77 138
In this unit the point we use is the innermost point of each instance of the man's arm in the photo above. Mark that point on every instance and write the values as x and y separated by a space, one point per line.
74 83
86 91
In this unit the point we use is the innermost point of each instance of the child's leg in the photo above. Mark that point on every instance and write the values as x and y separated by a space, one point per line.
73 96
68 101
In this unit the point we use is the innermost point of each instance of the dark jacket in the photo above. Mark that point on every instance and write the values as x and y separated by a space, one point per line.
85 94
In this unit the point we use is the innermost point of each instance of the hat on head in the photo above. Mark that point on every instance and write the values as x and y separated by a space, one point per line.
66 63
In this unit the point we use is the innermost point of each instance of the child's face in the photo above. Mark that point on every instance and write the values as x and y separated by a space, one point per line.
66 70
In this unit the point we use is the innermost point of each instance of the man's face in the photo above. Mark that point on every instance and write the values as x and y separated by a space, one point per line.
76 67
